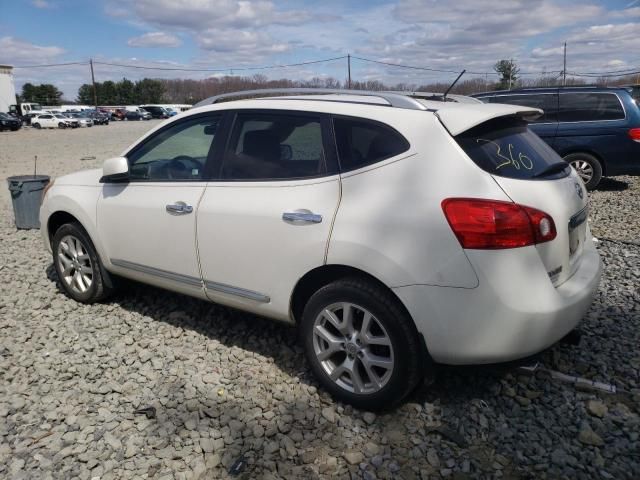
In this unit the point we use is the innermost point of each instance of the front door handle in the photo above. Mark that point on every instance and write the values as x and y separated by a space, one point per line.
179 208
302 217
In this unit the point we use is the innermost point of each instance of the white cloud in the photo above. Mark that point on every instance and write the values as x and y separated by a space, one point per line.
155 39
41 4
20 52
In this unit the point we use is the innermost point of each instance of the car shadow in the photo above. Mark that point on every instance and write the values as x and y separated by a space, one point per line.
612 185
452 389
236 328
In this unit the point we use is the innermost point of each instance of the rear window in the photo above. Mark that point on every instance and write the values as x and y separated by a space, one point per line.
589 107
507 148
548 102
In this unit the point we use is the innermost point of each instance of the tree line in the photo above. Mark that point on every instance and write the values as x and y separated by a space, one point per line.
123 92
45 94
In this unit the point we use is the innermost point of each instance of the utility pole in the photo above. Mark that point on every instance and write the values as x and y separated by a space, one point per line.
93 81
349 71
564 68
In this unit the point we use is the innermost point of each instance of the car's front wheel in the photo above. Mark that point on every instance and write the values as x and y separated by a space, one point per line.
37 125
78 266
361 344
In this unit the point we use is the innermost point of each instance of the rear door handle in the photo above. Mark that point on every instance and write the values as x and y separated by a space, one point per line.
179 208
301 217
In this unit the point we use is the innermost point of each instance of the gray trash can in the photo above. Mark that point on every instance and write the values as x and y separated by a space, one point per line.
26 194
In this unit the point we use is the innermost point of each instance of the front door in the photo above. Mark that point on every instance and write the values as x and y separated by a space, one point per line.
149 223
267 220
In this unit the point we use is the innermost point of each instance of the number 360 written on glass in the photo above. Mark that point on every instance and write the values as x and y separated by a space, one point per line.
517 161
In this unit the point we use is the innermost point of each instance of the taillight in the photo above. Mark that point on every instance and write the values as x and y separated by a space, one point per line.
494 224
634 133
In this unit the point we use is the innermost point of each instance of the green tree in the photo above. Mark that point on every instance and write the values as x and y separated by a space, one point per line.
148 91
125 92
508 71
108 93
28 93
49 94
85 94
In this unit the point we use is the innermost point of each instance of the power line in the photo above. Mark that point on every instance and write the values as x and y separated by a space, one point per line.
428 69
222 69
52 65
610 73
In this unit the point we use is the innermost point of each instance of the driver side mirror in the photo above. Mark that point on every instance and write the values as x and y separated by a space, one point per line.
115 170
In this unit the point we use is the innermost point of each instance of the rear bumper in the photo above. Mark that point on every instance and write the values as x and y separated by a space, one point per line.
514 312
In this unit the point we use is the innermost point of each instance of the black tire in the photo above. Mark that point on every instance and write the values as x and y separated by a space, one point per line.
408 356
62 125
101 284
591 173
37 125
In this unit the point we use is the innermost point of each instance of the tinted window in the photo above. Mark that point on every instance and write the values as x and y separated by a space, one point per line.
274 146
507 148
589 106
362 143
176 153
547 102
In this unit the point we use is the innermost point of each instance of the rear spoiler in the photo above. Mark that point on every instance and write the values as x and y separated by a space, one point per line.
458 118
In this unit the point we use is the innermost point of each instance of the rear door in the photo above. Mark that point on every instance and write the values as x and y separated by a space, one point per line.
266 221
532 174
546 127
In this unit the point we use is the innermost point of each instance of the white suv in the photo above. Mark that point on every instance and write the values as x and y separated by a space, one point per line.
391 230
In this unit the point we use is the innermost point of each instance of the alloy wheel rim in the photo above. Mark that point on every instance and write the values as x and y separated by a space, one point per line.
74 264
353 348
584 169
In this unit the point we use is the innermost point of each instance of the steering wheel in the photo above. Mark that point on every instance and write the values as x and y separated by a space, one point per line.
178 167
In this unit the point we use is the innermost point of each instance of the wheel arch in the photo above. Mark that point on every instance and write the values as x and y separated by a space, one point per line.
323 275
57 219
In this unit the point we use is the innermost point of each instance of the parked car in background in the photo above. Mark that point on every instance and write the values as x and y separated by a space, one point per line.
9 122
392 231
156 111
98 117
82 119
137 115
595 129
49 120
118 114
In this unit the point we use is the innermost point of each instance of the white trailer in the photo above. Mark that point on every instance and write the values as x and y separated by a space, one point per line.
7 88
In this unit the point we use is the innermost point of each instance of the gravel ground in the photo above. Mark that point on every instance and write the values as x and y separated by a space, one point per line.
227 385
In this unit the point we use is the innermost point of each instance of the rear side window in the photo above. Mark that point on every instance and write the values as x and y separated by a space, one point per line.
279 146
547 102
507 148
362 142
589 107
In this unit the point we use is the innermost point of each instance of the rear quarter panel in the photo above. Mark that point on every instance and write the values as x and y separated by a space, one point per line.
390 221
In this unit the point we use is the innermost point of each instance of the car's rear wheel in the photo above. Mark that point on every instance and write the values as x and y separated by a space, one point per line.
78 266
588 167
361 345
37 125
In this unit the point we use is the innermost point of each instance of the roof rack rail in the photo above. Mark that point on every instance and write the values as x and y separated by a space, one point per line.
395 99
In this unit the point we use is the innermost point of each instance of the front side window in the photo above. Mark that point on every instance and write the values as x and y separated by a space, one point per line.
362 142
548 102
589 107
268 146
177 153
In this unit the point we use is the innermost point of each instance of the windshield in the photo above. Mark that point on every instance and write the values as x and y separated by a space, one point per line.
507 148
4 116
